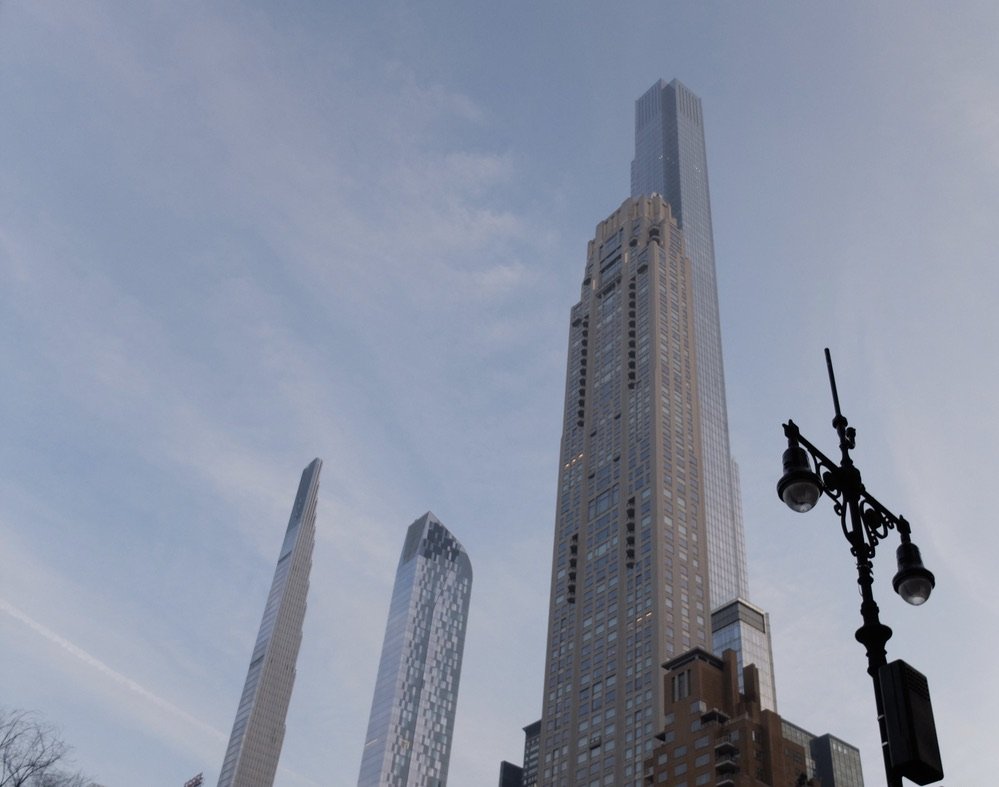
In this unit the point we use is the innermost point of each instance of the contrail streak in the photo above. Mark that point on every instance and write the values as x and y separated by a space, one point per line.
124 680
104 669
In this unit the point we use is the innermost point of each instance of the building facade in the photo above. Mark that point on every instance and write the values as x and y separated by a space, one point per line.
745 629
832 760
671 160
511 775
526 776
532 750
251 759
837 763
630 584
718 736
408 743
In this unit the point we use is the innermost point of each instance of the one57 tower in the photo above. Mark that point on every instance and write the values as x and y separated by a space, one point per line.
408 743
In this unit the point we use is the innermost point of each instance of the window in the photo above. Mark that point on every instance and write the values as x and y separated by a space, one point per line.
681 685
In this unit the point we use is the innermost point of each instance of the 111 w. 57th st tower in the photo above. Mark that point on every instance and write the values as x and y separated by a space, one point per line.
251 759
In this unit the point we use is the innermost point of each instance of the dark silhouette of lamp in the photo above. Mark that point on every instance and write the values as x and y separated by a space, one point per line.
799 487
913 582
901 693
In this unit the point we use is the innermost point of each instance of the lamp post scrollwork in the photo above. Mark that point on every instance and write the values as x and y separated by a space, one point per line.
905 720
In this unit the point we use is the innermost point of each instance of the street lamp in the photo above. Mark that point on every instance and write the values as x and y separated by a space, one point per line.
905 716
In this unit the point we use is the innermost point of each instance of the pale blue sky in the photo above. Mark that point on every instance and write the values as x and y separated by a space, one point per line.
234 237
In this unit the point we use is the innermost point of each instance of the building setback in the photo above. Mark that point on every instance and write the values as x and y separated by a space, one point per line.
408 743
251 758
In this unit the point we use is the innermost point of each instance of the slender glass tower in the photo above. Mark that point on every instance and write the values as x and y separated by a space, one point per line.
412 713
671 160
251 759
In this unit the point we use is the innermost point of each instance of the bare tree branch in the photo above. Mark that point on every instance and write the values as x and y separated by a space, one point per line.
30 750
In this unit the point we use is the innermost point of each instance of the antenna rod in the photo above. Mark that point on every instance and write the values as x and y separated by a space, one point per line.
832 384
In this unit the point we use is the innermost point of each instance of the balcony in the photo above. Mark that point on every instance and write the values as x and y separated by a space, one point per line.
715 716
727 764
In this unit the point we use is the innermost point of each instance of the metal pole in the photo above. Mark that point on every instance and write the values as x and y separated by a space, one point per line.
865 522
873 635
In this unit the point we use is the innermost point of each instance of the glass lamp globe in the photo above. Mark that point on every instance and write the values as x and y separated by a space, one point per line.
799 487
913 582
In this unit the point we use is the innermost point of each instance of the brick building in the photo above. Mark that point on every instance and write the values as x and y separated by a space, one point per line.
717 736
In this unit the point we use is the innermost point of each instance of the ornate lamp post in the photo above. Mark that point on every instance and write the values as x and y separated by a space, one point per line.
905 716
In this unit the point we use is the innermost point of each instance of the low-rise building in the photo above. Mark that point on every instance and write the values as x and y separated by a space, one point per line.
718 736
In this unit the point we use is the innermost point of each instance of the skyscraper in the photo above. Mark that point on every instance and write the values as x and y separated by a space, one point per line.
834 761
648 533
630 584
412 713
532 743
671 160
251 759
511 775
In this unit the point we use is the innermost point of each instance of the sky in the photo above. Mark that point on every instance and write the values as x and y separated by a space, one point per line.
236 236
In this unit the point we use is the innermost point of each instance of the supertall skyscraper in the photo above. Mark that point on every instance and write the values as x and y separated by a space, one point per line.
671 160
630 573
648 534
251 759
412 713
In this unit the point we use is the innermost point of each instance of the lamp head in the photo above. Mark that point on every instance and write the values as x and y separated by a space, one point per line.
914 581
799 487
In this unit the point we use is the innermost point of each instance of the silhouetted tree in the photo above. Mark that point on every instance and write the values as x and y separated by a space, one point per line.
31 751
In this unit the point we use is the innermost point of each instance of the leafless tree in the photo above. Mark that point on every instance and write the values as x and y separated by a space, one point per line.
63 779
31 751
